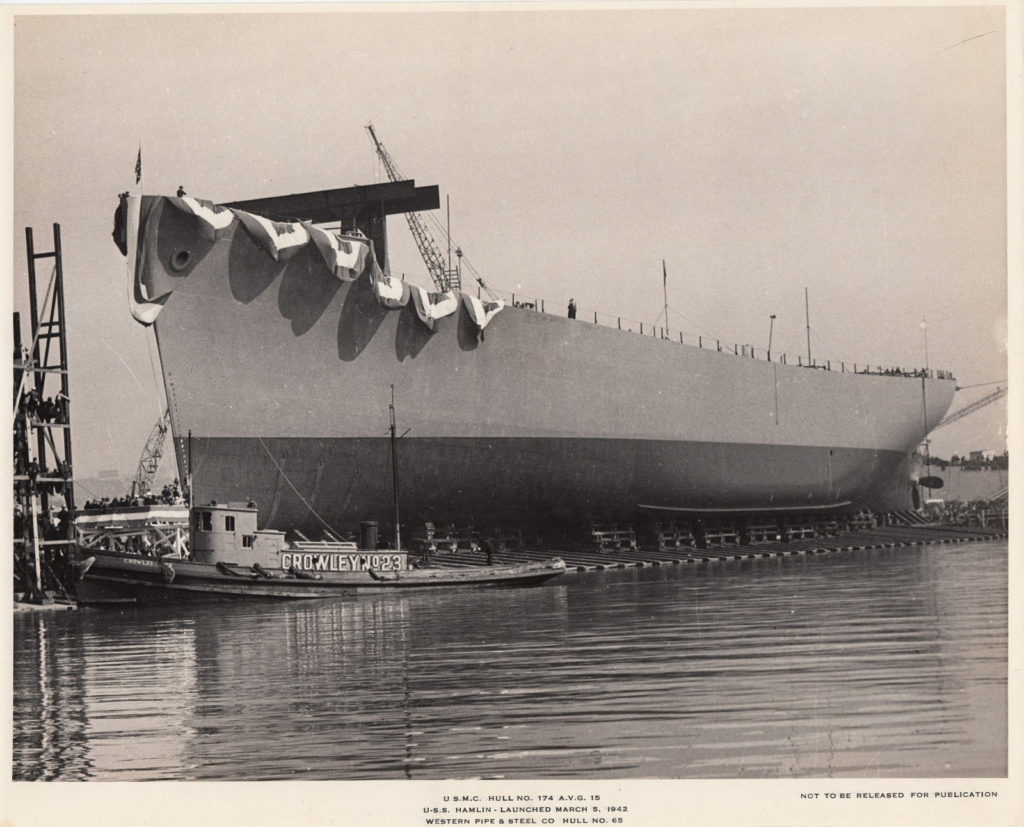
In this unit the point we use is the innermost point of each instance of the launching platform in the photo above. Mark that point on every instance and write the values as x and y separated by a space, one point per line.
885 537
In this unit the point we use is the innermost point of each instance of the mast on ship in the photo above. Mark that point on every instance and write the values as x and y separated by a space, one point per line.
807 317
924 405
394 470
664 290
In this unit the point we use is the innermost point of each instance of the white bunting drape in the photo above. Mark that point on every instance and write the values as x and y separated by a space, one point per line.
215 217
348 256
432 306
390 292
279 239
481 312
144 308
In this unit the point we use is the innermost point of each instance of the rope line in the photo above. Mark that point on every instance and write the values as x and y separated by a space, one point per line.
305 502
694 325
981 384
156 382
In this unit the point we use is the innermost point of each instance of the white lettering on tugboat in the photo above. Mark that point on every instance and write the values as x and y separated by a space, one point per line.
141 562
335 561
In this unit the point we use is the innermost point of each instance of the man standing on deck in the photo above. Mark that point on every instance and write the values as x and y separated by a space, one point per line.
572 308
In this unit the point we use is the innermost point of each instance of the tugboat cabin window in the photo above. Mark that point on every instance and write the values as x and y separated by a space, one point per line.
207 521
229 523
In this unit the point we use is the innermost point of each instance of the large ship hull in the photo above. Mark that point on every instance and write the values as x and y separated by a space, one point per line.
282 373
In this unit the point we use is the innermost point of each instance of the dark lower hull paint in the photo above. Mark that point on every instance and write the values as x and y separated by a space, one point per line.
541 483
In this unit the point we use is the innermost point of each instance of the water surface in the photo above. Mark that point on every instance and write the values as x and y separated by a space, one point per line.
884 663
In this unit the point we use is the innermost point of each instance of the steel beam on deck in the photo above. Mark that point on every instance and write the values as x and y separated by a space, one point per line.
346 204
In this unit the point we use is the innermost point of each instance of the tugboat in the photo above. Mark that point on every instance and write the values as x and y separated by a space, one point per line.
230 558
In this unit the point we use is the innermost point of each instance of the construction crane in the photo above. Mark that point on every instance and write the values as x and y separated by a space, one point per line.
149 462
444 277
995 396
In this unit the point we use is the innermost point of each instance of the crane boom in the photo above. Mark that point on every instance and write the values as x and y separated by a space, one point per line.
149 462
995 396
444 278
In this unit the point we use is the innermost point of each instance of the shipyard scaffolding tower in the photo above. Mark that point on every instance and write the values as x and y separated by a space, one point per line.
43 532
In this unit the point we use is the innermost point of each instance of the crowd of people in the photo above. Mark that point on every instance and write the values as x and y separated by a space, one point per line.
36 410
977 461
51 409
981 513
53 524
919 373
168 495
34 471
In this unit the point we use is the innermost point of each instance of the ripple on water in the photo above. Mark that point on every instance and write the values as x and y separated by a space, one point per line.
872 663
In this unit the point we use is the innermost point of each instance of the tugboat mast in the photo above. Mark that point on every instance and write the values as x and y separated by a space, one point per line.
394 470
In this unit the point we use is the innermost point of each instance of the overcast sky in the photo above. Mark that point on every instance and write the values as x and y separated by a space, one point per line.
857 152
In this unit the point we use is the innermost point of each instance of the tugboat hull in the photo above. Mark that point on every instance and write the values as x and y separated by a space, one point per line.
113 577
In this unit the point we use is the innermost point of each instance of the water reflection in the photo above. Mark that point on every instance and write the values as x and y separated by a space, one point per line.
49 713
888 663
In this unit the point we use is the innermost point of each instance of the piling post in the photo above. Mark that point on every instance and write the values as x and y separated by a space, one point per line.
35 593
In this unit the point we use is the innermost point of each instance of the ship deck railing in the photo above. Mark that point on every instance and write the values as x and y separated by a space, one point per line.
711 343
